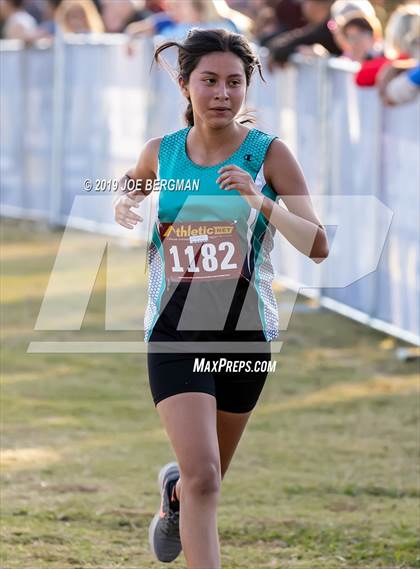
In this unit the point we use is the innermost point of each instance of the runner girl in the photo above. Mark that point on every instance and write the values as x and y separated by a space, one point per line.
210 280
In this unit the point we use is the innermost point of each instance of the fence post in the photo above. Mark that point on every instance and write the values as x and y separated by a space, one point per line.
57 130
379 172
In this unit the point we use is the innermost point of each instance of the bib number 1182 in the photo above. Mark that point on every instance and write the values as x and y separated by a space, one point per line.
201 250
209 257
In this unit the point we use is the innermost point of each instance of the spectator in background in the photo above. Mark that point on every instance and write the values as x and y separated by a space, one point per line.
242 23
401 87
34 8
342 8
317 32
246 7
48 25
153 6
276 17
17 23
381 11
179 17
361 39
142 10
399 81
118 14
399 37
153 25
79 16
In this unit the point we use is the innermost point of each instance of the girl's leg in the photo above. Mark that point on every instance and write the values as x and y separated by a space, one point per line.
230 427
190 420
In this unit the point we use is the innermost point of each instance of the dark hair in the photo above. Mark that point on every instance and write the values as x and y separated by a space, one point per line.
16 3
54 3
201 42
360 23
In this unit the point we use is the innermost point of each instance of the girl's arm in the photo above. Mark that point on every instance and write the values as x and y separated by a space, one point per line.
298 223
144 171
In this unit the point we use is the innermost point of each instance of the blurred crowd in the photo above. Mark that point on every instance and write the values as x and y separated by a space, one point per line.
385 45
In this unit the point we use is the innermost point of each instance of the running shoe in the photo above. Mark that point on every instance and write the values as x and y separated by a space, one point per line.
164 538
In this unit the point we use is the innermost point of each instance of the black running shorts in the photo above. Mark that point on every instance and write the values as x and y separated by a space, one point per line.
234 379
235 391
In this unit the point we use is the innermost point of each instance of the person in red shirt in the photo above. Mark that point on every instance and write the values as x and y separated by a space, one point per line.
361 39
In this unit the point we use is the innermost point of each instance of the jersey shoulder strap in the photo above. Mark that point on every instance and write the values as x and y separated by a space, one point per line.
254 151
251 157
171 153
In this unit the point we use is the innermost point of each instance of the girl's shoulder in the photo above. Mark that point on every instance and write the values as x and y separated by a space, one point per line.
261 143
148 159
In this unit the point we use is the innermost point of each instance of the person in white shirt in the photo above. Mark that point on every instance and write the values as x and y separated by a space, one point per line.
18 24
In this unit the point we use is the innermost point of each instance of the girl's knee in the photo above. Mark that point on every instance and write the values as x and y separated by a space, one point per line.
202 478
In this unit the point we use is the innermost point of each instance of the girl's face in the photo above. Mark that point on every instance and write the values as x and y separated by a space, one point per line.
217 88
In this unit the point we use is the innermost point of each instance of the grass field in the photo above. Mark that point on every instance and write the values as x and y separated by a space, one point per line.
326 475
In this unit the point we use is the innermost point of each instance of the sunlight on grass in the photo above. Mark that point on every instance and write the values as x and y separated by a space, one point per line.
344 392
54 421
388 343
28 458
12 251
150 435
66 283
47 373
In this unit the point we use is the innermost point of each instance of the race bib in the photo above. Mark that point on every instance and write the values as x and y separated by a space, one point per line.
201 250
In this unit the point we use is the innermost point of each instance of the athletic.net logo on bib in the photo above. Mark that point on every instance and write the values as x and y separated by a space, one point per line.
201 250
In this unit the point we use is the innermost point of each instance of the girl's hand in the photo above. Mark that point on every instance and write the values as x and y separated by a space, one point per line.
122 209
234 178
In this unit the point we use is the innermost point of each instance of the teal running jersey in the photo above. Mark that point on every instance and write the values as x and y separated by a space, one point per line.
189 196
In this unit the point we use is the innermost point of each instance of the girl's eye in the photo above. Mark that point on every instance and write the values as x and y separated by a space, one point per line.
235 82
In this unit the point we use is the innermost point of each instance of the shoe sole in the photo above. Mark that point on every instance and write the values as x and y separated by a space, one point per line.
161 477
152 528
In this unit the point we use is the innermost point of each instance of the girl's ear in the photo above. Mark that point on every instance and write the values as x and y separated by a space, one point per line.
183 88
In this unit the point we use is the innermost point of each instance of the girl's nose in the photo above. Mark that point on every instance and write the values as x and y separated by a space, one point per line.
222 93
